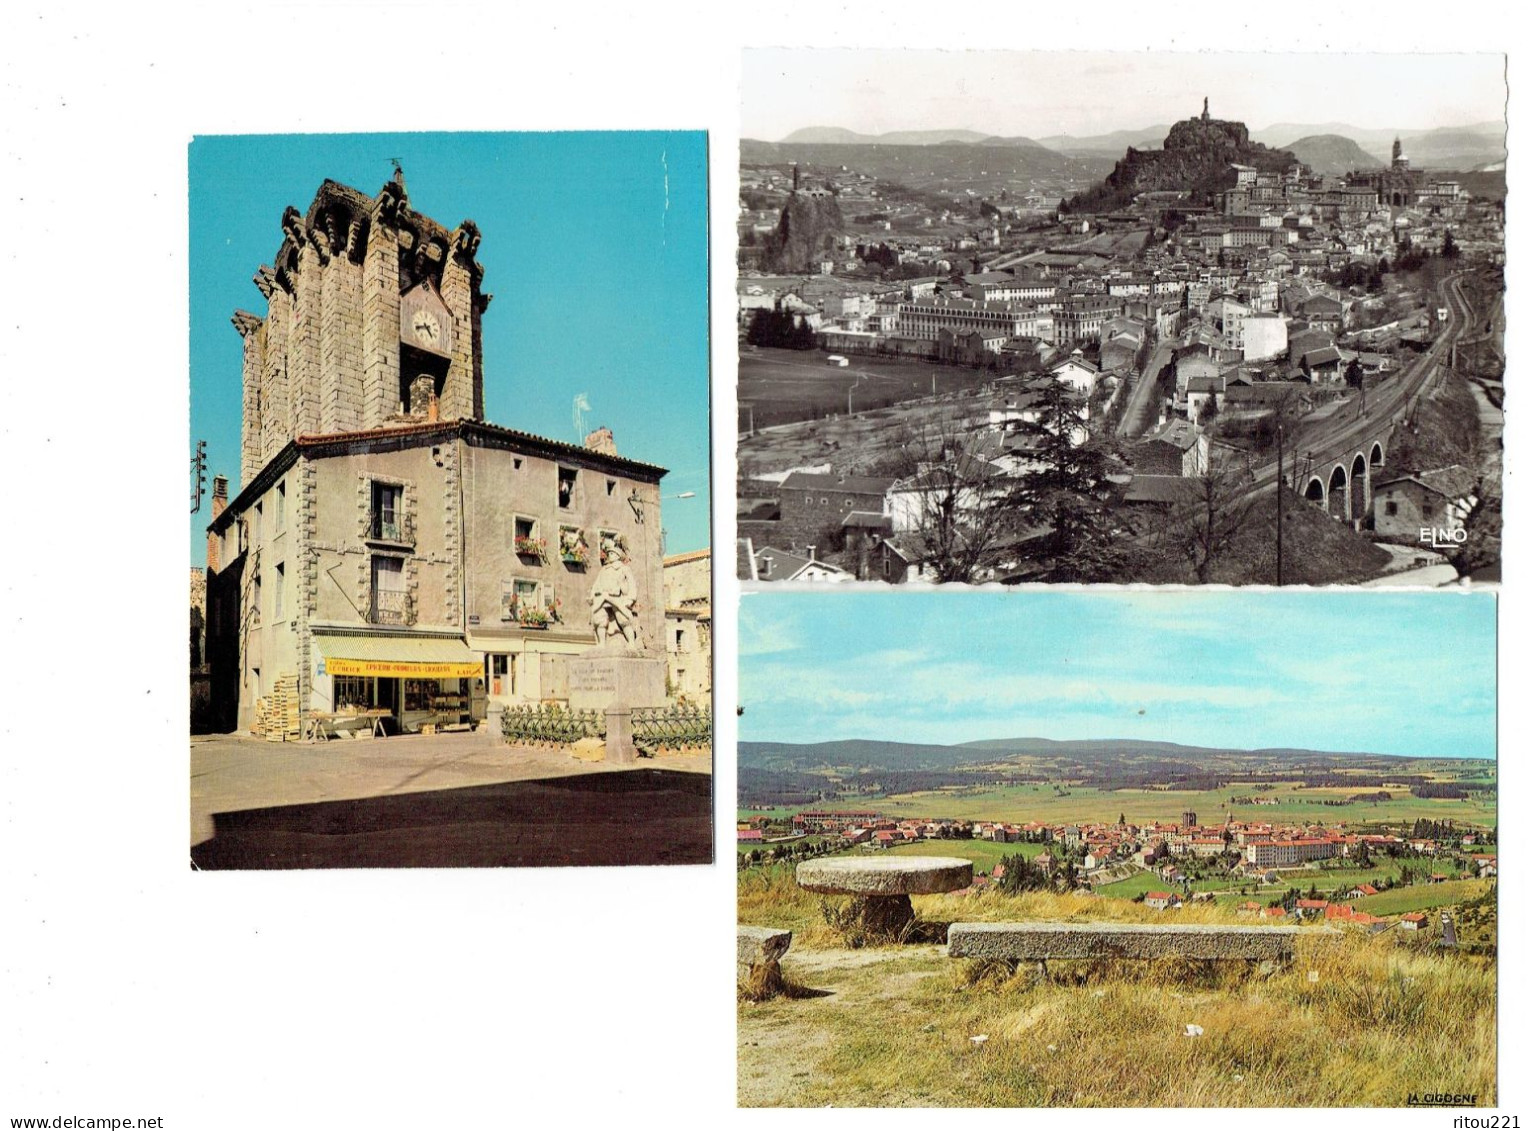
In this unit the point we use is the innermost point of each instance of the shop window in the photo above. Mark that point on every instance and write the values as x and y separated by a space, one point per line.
355 692
387 590
421 694
568 483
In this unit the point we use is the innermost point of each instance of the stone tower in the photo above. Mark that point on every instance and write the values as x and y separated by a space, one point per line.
373 317
1396 150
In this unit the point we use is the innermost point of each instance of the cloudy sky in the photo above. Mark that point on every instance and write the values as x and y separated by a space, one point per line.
1040 93
1390 673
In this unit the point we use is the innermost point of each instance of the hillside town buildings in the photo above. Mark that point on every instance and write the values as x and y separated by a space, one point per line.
1271 299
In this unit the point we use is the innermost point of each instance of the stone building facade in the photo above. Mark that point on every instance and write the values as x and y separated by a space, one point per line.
688 624
814 507
390 550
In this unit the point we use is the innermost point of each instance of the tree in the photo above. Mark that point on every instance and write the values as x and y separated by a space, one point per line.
1205 523
1448 249
962 502
1067 488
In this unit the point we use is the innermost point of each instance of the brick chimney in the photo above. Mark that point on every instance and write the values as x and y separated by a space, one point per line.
219 502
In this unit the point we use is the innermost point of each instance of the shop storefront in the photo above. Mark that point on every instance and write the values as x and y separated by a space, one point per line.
409 682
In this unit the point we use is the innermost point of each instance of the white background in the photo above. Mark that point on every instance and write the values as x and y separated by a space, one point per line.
395 999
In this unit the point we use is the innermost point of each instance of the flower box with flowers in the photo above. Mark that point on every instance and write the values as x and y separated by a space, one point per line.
531 547
532 617
576 553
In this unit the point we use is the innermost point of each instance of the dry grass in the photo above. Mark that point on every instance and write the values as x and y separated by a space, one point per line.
1361 1021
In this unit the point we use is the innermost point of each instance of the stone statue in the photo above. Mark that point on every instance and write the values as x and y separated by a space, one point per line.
613 602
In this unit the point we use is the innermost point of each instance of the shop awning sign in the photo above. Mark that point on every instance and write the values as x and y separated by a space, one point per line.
398 657
404 668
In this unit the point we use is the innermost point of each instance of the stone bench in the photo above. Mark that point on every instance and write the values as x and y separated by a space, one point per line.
759 959
1038 942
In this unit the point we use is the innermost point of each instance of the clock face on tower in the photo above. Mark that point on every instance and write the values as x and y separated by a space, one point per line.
424 322
426 328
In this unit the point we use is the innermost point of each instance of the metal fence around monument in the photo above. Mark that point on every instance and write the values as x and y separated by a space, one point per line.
551 724
671 726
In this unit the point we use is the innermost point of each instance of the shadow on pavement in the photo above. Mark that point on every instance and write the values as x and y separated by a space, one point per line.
636 817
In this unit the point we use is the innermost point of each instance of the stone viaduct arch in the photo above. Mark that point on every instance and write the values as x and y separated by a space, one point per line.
1342 484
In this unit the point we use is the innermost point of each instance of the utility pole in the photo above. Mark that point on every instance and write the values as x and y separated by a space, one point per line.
198 475
1280 500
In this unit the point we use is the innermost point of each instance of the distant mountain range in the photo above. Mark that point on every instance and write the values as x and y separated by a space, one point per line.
1332 154
1114 143
931 164
833 135
1451 147
869 754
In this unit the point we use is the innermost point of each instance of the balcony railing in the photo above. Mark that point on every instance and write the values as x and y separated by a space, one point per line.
389 606
391 527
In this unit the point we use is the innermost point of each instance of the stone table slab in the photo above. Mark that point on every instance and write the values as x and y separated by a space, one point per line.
885 876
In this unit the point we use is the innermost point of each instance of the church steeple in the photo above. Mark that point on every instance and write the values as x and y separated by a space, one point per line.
1206 108
1396 149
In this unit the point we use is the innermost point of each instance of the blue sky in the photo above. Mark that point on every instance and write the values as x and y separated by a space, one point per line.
594 247
1390 673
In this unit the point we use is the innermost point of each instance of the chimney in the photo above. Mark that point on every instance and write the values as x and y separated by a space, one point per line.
219 503
812 553
601 440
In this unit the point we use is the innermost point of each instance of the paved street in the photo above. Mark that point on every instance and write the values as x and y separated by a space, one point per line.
1138 417
240 786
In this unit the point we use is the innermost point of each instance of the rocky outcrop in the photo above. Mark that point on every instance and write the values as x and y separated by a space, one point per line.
804 236
1197 156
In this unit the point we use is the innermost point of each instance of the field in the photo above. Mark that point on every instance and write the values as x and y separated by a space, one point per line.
767 846
1358 1021
1229 888
1421 897
1084 804
787 386
984 854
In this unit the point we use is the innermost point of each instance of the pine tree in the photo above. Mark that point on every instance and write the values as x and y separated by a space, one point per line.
1068 488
